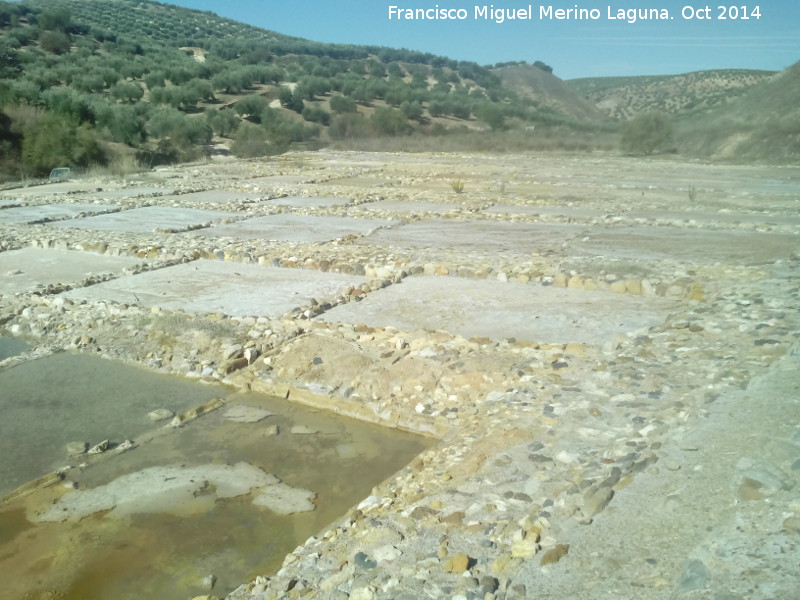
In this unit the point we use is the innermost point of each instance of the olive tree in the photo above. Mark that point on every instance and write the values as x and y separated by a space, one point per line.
646 134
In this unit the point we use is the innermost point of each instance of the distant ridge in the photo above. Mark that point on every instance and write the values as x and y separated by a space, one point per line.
626 97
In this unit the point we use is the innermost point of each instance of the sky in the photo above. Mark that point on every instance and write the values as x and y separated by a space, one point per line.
692 38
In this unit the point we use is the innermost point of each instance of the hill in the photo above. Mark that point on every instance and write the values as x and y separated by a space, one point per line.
762 125
92 81
626 97
548 90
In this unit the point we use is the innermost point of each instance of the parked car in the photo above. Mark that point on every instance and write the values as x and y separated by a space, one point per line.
60 174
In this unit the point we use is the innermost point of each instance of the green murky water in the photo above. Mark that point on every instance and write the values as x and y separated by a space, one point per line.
62 398
11 347
163 556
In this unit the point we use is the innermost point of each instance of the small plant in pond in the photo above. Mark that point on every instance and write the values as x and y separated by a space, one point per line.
457 185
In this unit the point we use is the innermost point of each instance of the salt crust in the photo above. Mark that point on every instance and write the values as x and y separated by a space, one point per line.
179 490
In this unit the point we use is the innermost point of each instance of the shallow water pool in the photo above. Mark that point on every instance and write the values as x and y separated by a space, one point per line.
51 401
10 346
157 552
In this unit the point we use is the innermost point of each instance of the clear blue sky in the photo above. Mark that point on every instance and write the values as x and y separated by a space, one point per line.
574 48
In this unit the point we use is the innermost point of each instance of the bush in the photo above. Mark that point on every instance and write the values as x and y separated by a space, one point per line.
251 140
390 121
223 122
316 114
50 140
251 106
55 42
648 133
343 104
412 110
348 126
127 91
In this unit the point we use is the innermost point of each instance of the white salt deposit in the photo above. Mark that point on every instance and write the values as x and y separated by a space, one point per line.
179 490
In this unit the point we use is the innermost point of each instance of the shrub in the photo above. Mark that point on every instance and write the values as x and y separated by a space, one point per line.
390 121
127 91
412 110
251 106
251 140
343 104
646 134
316 114
348 126
55 42
223 122
50 140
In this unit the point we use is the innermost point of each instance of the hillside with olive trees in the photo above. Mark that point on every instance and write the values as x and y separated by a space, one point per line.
88 82
127 84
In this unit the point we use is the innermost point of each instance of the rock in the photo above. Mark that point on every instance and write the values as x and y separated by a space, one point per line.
633 287
501 563
760 479
235 364
209 581
160 414
792 524
100 448
362 561
271 430
250 355
524 549
575 282
618 287
553 555
595 500
362 593
457 563
695 576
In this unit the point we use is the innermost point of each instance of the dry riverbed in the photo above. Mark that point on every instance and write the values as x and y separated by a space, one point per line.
604 347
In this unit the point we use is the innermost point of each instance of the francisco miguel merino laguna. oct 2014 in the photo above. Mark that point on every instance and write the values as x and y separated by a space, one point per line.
488 12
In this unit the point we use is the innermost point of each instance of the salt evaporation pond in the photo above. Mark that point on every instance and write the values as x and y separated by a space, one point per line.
11 347
62 398
207 498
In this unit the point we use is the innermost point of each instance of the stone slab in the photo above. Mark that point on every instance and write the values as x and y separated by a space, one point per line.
691 245
410 207
207 286
64 187
48 212
300 201
137 192
294 228
726 218
146 219
497 310
215 197
27 269
475 235
277 180
556 211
